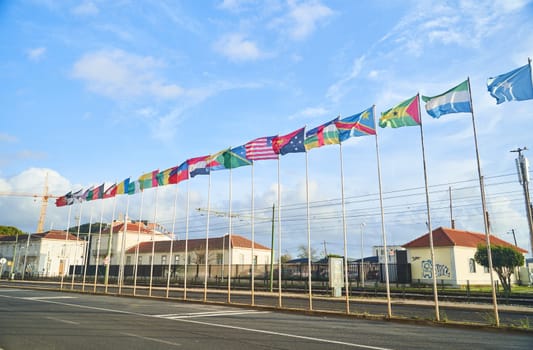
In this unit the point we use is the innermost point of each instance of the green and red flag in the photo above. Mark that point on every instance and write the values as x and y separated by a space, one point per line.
406 113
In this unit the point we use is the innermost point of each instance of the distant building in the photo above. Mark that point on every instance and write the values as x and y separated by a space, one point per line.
122 236
219 249
454 257
379 251
47 254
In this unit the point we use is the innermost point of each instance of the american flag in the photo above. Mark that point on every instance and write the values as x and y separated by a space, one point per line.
260 149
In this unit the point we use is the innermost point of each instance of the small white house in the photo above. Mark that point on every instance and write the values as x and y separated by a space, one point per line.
454 257
47 254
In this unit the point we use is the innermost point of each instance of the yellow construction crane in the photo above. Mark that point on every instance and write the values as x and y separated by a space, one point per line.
44 202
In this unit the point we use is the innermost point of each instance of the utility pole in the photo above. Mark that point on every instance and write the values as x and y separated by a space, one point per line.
522 166
325 250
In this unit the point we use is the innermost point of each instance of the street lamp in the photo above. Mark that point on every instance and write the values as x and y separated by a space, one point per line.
514 237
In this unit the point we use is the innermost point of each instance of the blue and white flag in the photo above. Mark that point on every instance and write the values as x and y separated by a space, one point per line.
455 100
513 86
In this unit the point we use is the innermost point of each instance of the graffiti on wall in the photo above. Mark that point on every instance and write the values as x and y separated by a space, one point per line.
440 270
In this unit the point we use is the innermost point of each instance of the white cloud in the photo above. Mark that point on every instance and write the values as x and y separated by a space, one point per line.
36 54
303 18
23 212
118 74
337 90
237 48
311 112
87 8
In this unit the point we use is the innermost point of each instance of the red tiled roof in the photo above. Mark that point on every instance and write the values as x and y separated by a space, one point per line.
447 237
53 234
131 227
216 243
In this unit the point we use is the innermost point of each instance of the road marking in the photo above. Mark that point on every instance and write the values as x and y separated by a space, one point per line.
151 339
210 314
48 298
10 290
320 340
252 330
60 320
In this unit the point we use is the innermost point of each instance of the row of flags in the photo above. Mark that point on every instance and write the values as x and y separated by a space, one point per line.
516 85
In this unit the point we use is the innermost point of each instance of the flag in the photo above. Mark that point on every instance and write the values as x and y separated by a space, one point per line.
235 157
69 198
78 196
122 188
515 85
61 201
179 173
111 191
325 134
290 143
88 194
163 177
361 124
216 161
98 192
198 166
260 149
406 113
134 187
455 100
148 180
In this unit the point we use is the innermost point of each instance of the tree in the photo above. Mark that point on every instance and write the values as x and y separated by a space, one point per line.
285 257
504 261
303 253
10 231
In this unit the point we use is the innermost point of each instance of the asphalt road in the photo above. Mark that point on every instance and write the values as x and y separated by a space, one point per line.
33 319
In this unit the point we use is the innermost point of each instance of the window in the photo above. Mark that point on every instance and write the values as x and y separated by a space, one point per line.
140 260
176 259
163 260
128 260
472 265
255 259
220 257
486 269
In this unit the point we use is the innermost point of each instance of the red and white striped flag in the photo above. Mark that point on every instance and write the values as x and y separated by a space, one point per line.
260 149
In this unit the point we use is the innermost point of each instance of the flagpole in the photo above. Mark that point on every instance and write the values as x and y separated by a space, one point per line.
109 245
87 250
98 246
229 239
136 266
345 233
309 278
66 240
76 248
430 233
123 247
153 243
207 235
186 244
383 234
253 238
484 208
172 241
279 236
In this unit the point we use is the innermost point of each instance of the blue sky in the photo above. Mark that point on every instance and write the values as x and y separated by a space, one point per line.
96 91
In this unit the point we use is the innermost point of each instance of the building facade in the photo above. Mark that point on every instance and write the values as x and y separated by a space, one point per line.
47 254
454 252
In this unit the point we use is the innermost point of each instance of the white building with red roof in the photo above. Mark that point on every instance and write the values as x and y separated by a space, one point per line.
47 254
193 251
121 236
454 257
